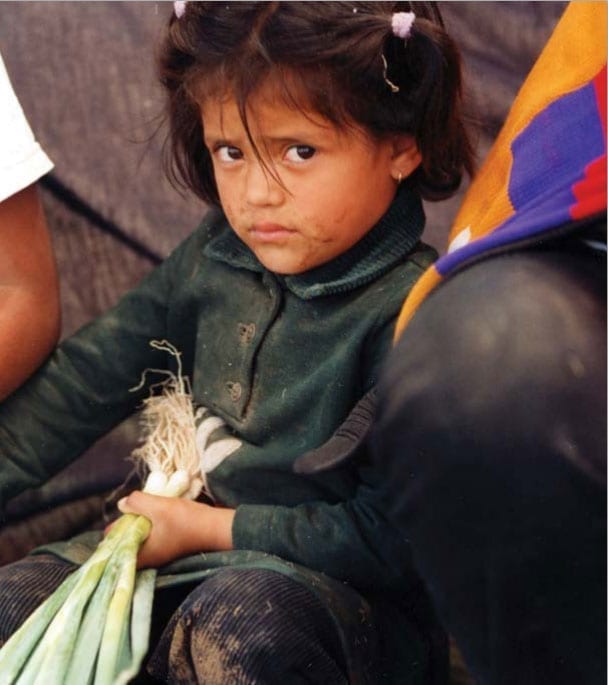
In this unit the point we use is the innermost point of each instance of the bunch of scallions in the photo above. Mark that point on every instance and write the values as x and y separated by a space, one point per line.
95 627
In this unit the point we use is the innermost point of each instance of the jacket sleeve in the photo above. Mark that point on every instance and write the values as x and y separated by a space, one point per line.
351 541
83 390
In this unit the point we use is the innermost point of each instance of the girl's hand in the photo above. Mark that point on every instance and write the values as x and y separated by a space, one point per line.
179 527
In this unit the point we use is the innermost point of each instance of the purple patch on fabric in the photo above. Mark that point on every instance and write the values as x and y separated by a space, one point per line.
515 230
549 157
555 147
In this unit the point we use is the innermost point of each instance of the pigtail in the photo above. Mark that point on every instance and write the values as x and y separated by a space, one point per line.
444 142
427 69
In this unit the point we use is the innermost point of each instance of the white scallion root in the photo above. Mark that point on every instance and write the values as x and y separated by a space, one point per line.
169 434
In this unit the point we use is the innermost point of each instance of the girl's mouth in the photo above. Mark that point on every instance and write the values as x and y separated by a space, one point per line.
267 232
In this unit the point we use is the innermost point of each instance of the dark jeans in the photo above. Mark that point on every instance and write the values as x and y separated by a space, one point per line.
491 434
239 627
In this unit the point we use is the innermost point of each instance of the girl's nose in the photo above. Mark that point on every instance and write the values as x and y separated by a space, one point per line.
262 188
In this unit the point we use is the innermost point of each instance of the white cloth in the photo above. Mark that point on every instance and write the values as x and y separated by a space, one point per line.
22 160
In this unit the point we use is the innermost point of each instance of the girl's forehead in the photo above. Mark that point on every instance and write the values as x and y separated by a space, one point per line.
308 90
280 88
264 114
273 98
281 96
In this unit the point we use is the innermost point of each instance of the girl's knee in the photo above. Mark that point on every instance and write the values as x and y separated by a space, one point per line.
250 625
253 610
24 585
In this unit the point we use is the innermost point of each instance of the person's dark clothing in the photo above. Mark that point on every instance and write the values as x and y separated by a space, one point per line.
491 430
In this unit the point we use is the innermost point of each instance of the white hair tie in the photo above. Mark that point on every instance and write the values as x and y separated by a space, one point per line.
179 7
401 23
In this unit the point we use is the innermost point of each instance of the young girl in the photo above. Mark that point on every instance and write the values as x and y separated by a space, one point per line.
314 130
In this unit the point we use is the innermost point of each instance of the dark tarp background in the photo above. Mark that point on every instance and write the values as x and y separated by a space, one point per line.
84 73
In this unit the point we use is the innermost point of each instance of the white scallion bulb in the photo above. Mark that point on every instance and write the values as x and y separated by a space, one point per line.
179 482
156 483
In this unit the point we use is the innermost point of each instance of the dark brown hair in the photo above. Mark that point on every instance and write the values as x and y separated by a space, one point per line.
333 52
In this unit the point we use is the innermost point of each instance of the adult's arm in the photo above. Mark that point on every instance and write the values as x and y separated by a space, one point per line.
29 290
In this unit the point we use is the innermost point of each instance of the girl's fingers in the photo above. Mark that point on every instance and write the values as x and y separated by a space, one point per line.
136 503
143 503
123 506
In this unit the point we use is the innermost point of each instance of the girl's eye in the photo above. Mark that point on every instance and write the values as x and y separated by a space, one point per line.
228 153
300 153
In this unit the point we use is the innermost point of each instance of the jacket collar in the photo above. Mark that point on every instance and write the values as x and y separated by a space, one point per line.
391 239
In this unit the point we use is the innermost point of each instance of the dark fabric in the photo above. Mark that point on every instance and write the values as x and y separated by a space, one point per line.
240 625
24 585
348 442
247 626
491 431
408 646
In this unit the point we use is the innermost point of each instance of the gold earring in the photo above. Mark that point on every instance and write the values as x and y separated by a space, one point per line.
399 178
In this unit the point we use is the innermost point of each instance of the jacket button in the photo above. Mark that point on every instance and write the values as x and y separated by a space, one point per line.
246 332
235 391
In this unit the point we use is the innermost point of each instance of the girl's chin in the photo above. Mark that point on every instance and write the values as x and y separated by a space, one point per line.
281 269
281 262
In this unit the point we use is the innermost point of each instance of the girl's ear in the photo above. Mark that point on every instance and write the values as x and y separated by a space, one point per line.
405 158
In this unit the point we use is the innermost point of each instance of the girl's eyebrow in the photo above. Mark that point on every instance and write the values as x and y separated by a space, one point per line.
285 140
296 136
314 138
218 142
212 141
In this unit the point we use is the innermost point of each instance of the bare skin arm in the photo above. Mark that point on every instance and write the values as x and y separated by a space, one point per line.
29 292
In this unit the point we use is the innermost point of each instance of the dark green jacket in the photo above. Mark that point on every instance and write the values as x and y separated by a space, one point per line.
281 360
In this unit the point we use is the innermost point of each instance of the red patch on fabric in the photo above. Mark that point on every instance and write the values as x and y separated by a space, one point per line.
599 83
590 192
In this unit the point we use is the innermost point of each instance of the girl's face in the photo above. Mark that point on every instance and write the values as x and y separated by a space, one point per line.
316 191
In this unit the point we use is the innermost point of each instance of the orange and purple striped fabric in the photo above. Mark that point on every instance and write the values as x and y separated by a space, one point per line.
547 166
